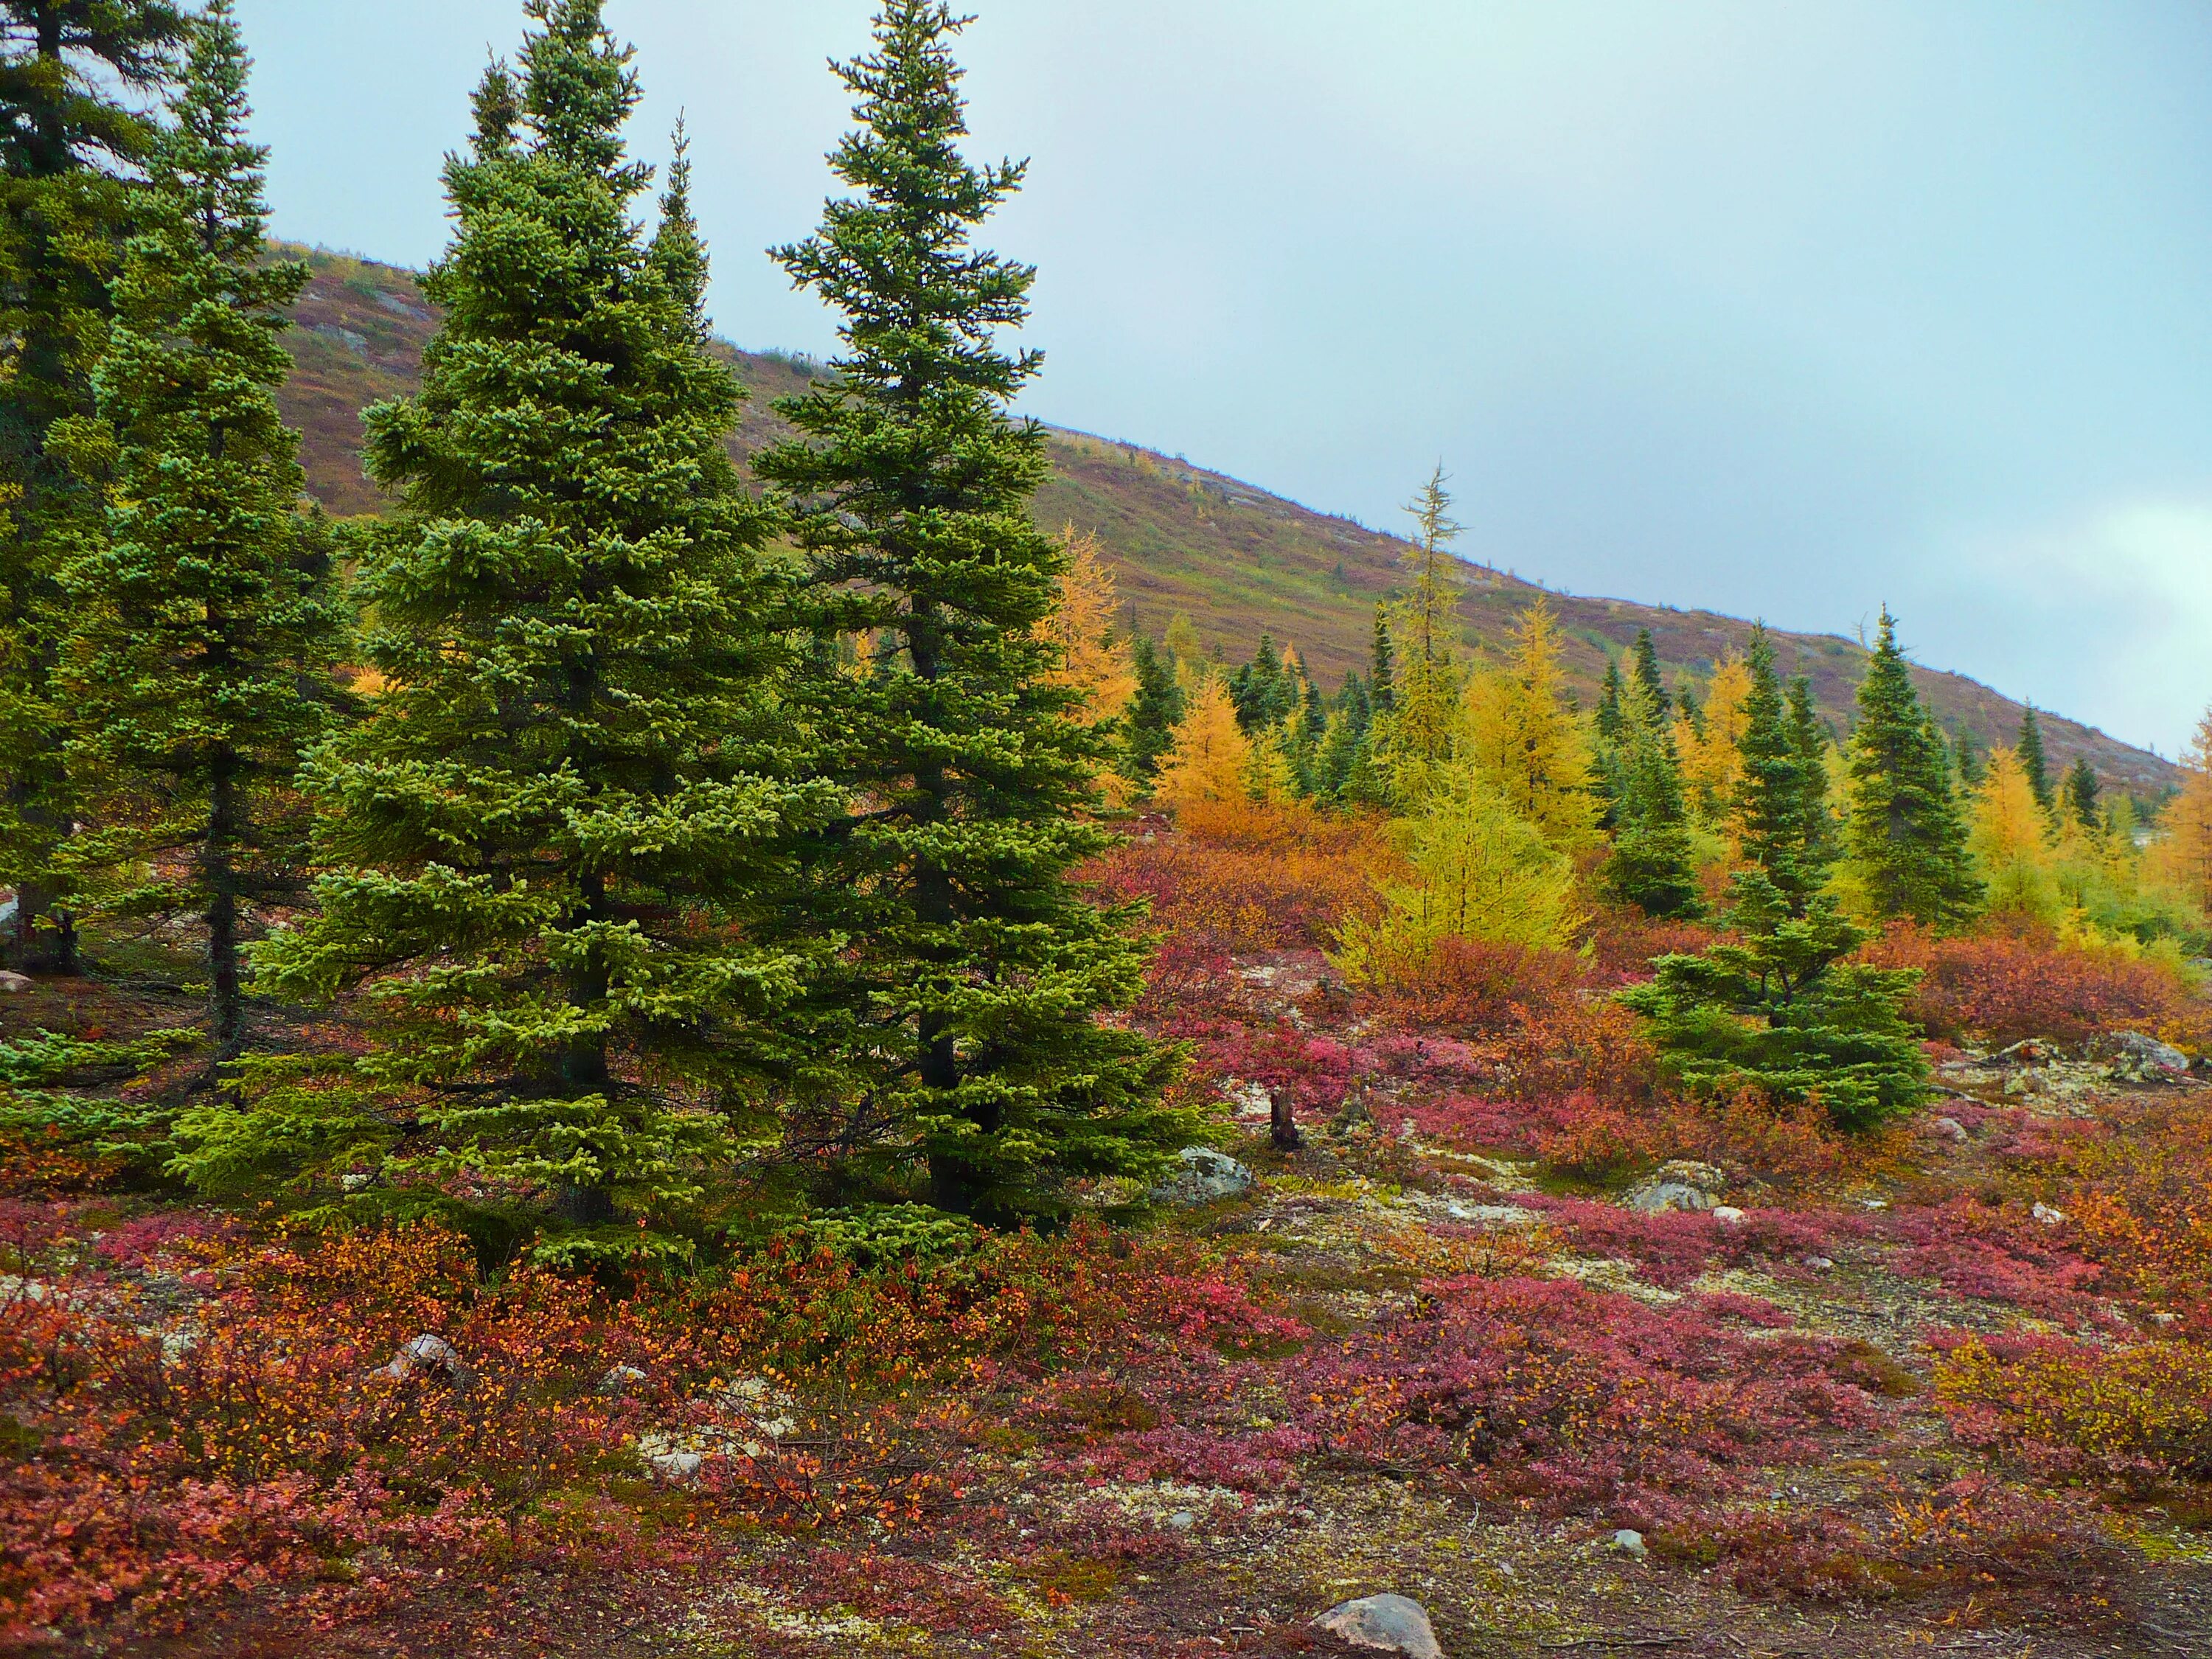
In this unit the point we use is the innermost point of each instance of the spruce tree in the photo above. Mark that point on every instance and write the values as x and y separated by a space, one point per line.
1381 668
2032 760
1647 671
1906 841
2081 791
557 837
72 138
1771 789
200 668
1653 864
971 992
1152 712
1816 824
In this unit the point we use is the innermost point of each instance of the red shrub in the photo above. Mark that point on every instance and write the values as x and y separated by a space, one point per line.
1472 988
2000 989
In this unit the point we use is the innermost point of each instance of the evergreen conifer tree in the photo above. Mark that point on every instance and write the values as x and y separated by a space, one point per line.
1653 864
200 667
1647 671
1381 670
1808 742
1153 711
1770 811
71 138
2081 791
2034 764
972 990
1906 841
558 837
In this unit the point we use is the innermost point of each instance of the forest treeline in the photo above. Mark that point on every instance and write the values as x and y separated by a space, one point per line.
677 853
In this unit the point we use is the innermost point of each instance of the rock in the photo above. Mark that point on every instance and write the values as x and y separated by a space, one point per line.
1183 1520
2031 1051
1250 1101
1388 1624
619 1381
670 1457
1630 1542
1206 1175
1728 1215
429 1355
1952 1128
2141 1058
2047 1216
1819 1264
1656 1197
1491 1215
1353 1115
13 983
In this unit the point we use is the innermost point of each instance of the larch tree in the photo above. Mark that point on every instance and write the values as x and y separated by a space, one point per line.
1906 843
1519 732
2009 834
1095 662
2181 854
74 75
1208 765
972 993
201 665
557 838
1413 742
1710 737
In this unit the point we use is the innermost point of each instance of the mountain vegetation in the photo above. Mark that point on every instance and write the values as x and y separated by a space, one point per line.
661 1028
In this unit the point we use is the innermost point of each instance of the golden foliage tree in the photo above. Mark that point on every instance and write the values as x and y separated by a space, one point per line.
1480 871
1413 741
2181 857
1711 746
1519 733
2009 834
1093 659
1209 763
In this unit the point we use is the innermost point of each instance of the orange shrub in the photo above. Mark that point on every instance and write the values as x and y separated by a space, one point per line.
1251 876
2141 1410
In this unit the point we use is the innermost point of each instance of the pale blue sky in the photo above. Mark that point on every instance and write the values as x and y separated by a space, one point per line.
1784 309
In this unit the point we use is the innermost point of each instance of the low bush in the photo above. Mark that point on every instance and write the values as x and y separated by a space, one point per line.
2000 989
2139 1411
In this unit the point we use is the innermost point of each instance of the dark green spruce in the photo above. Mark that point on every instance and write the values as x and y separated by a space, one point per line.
74 76
1907 843
200 667
567 821
969 1009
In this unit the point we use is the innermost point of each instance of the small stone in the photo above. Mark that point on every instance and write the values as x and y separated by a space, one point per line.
429 1355
1659 1197
1206 1175
1819 1264
2047 1216
1183 1520
1387 1624
1630 1542
1952 1128
1728 1215
12 983
619 1381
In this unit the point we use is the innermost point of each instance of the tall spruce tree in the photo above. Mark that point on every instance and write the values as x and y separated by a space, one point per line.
1653 864
2032 759
557 834
1907 842
1647 671
72 75
1382 694
1770 812
971 992
1816 824
200 667
1153 711
2081 791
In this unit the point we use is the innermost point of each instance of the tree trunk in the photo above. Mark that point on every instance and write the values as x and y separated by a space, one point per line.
1282 1121
226 1001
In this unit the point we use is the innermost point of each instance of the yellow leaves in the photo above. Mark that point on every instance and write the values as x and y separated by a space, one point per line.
2180 858
2010 840
1712 760
1518 732
1208 763
1092 659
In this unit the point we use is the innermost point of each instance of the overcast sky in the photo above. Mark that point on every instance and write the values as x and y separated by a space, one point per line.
1787 310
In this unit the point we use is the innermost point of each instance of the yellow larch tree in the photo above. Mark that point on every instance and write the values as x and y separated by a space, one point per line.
1412 742
2180 858
1712 747
1518 733
1208 763
1093 659
2009 836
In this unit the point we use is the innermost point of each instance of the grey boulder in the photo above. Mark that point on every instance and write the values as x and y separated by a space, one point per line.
1205 1176
1682 1185
430 1356
12 983
1388 1624
2145 1059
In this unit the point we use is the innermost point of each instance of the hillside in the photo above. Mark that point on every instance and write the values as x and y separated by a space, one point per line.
1236 558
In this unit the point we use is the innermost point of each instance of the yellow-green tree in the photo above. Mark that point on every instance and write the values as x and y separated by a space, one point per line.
1519 733
2181 857
1094 662
1209 761
1480 870
1711 746
1413 740
2008 834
